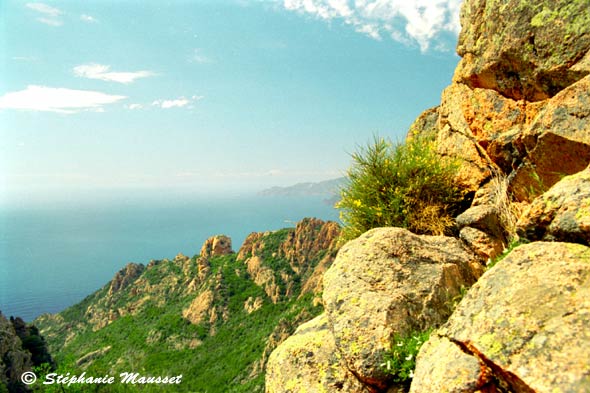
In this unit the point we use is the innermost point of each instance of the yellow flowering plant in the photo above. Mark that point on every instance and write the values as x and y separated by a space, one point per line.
399 184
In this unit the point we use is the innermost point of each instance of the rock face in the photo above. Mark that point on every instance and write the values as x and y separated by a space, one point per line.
523 49
302 256
521 327
216 246
200 308
391 281
13 359
309 361
556 143
519 102
125 276
560 214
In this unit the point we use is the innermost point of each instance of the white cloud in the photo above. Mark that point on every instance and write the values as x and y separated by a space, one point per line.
421 22
61 100
44 9
51 15
167 104
50 22
88 18
134 106
176 103
101 72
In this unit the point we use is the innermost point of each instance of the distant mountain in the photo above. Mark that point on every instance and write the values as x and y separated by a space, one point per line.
327 188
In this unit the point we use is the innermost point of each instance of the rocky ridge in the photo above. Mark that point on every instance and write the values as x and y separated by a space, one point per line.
254 299
517 117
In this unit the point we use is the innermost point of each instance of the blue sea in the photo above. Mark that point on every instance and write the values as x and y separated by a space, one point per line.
54 255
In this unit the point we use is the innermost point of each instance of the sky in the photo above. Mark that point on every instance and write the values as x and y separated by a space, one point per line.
101 97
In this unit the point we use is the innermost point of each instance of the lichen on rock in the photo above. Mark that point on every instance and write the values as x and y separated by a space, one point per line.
309 361
390 281
525 319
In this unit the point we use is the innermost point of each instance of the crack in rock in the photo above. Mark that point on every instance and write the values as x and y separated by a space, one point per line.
508 381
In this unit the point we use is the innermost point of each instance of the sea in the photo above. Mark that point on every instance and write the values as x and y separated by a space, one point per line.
54 255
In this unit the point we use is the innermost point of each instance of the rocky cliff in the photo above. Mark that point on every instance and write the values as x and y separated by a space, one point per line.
214 317
517 116
21 349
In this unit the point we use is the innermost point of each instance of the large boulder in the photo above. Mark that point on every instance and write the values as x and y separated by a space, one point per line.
390 281
525 323
562 213
523 49
309 361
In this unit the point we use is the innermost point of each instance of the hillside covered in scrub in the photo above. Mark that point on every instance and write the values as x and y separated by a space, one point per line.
214 317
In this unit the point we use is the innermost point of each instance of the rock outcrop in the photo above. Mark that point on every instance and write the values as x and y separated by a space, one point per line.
216 246
125 276
13 359
298 258
522 327
519 98
519 104
560 214
527 50
200 308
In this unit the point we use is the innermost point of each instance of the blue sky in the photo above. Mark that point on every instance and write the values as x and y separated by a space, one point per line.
205 96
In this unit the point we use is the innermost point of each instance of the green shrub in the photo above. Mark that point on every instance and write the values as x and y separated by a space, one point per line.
400 360
403 185
513 244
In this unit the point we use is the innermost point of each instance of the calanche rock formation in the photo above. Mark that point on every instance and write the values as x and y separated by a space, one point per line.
517 118
258 295
309 250
216 245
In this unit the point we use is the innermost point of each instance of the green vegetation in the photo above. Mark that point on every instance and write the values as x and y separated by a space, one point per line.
400 360
150 336
403 185
513 244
